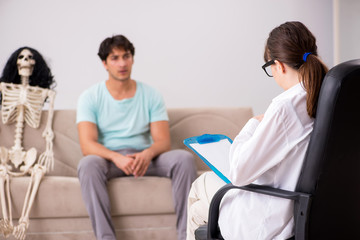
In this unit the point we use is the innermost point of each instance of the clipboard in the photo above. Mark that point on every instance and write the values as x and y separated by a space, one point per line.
214 150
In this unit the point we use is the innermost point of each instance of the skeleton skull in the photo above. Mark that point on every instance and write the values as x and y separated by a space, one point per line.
25 63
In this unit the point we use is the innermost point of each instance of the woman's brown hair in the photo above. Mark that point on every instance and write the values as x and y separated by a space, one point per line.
288 43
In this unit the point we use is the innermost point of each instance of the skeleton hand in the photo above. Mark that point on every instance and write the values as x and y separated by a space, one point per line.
19 230
46 159
6 228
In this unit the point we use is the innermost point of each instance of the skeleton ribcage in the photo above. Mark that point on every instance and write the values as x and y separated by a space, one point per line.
16 95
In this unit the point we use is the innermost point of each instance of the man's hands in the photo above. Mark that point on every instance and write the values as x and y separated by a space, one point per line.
160 134
125 163
135 164
141 162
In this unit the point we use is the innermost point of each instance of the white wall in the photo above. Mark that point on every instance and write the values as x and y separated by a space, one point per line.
348 24
198 53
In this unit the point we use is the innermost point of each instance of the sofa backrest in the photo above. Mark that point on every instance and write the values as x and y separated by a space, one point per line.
184 123
189 122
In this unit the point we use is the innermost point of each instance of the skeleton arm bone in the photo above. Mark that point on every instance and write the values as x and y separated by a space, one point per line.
47 158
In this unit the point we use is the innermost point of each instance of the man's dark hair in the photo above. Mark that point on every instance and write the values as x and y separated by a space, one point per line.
118 41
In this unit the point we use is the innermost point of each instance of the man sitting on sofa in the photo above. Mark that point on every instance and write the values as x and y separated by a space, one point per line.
124 131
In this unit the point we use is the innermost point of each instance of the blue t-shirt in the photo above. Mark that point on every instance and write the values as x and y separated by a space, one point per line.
122 123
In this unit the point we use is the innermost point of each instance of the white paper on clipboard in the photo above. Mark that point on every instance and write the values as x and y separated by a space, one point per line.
214 150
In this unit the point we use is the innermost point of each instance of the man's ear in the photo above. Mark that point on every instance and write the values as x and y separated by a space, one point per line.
105 64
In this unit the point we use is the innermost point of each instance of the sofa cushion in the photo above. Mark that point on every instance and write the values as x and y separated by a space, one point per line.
61 197
139 196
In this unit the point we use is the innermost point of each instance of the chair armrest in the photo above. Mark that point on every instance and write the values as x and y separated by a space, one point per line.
301 207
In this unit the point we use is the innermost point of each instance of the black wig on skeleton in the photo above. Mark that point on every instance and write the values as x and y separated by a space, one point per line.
41 75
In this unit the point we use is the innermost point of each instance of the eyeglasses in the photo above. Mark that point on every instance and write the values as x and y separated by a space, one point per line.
267 67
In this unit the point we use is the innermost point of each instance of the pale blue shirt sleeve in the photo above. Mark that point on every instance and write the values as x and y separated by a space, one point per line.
86 108
157 108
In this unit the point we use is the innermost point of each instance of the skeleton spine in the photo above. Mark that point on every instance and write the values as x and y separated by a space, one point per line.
19 127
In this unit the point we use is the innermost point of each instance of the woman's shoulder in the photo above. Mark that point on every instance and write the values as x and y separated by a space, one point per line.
288 104
291 111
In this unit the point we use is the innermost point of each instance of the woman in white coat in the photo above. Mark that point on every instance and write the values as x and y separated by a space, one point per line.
270 149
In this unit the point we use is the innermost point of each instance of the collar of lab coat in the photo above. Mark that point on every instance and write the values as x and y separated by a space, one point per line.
294 90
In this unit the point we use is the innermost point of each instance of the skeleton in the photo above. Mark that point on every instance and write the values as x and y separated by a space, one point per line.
21 104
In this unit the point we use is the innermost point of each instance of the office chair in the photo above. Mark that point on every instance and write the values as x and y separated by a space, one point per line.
327 195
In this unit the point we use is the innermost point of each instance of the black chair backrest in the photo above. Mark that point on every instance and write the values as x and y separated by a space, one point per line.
331 170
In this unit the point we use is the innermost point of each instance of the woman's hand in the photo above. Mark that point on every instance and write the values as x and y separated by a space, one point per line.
259 117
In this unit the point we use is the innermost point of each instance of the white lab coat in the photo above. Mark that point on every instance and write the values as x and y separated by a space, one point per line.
270 152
